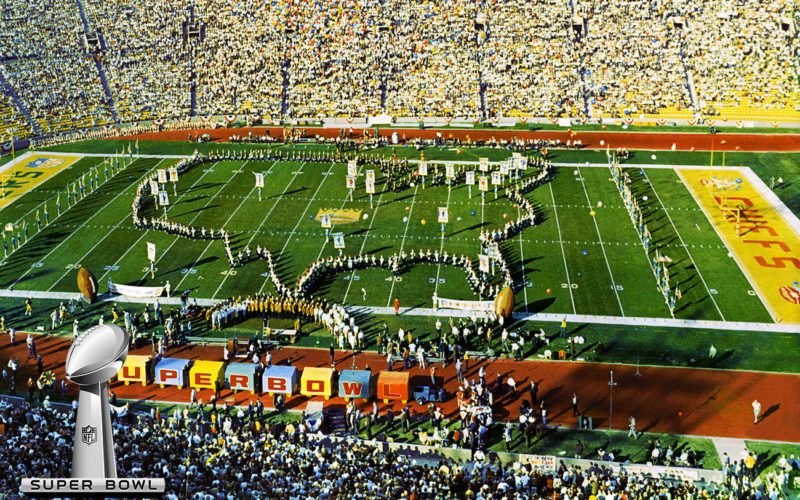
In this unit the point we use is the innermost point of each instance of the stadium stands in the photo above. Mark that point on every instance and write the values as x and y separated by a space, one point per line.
234 453
589 59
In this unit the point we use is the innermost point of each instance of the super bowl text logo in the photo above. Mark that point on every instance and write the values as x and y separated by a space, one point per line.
45 163
791 293
720 183
89 434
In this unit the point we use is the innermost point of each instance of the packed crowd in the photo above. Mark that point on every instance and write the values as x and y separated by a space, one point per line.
741 55
640 72
528 62
221 452
450 58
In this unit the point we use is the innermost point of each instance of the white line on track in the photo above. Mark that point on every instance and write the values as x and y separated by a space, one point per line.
410 210
602 245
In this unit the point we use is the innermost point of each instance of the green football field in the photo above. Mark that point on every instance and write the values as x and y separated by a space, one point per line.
592 265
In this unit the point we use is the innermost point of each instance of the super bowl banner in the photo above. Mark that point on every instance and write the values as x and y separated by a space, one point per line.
370 182
135 291
423 168
465 305
162 176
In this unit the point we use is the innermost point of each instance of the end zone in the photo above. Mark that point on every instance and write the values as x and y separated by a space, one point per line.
768 239
29 170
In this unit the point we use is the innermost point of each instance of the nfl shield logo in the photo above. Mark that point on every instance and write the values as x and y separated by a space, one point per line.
89 434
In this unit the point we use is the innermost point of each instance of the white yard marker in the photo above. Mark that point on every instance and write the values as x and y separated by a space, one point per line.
82 225
277 256
561 242
699 274
146 232
602 245
189 272
403 241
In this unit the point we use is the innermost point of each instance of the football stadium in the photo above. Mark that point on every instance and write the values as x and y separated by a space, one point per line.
455 249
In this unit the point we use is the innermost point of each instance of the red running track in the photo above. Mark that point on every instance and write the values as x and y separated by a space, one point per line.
713 402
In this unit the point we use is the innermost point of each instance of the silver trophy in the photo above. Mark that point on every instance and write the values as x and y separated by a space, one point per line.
96 355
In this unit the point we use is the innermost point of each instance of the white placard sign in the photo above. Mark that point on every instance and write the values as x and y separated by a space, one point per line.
154 187
423 168
259 179
338 240
495 178
450 170
443 215
370 182
351 182
325 220
163 198
484 263
470 177
483 183
352 168
173 174
162 176
504 167
151 251
484 164
522 162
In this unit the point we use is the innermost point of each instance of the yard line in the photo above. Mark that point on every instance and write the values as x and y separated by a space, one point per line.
522 264
277 199
366 235
684 246
602 245
108 233
344 202
410 210
84 224
561 242
239 170
146 232
279 254
441 247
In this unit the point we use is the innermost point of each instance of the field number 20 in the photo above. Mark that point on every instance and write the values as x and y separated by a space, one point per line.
567 285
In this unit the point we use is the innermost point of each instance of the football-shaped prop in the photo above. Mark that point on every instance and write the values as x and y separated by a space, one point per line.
504 303
87 284
97 354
